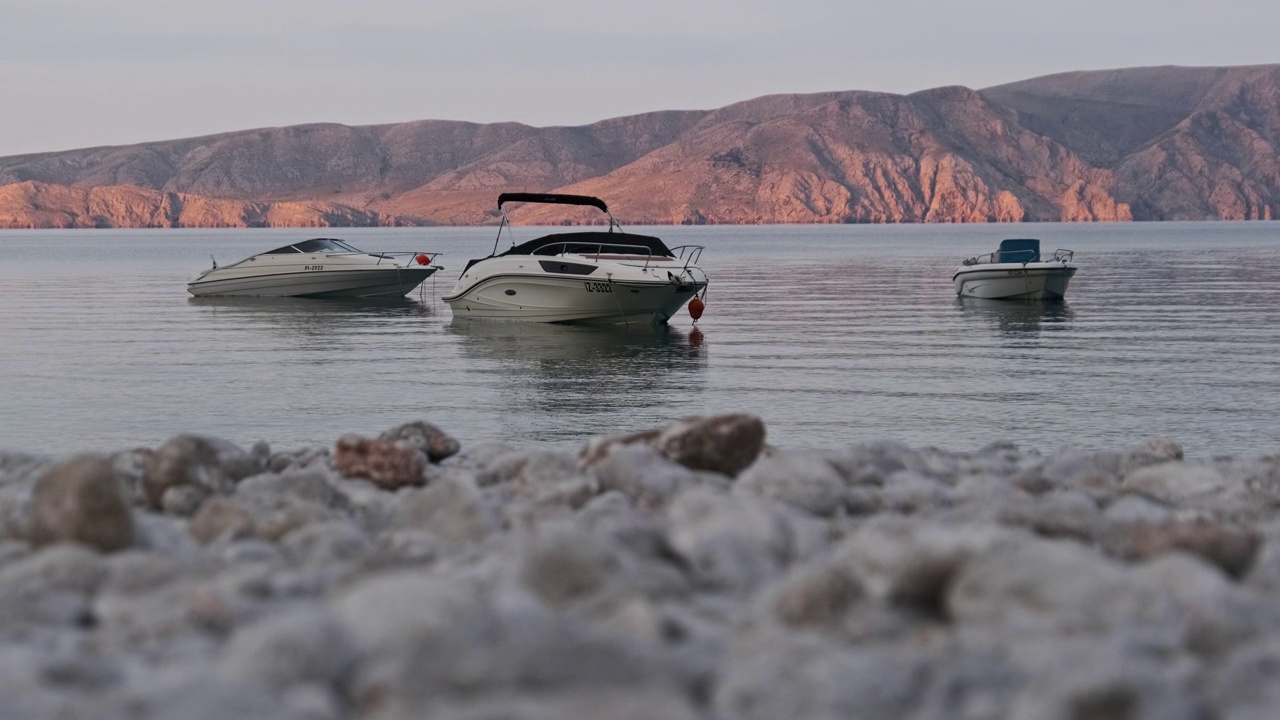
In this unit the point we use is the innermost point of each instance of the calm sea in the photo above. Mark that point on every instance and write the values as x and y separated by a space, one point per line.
833 334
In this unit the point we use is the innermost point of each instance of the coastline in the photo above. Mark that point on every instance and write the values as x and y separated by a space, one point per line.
689 571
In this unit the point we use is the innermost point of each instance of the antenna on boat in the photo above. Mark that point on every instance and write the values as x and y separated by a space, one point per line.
215 261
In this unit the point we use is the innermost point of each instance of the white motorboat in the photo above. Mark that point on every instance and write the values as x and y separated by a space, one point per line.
317 268
584 276
1016 272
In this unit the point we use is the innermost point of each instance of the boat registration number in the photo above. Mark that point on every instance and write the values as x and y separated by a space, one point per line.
1017 272
312 267
598 287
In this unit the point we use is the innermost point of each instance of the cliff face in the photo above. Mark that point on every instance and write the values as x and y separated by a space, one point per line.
40 205
1144 143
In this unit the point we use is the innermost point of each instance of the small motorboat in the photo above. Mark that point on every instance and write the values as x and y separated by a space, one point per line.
1016 272
317 268
585 276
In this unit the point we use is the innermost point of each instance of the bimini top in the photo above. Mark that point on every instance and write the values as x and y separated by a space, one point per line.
1020 250
591 242
314 245
552 199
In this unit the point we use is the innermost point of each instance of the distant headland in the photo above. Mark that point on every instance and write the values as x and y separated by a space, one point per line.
1157 143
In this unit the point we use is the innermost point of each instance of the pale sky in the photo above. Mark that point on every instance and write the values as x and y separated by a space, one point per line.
78 73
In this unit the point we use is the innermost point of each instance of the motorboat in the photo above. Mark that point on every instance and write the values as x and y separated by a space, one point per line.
318 268
1016 271
602 276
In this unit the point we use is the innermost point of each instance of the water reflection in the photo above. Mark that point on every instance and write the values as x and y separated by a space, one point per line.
309 318
1016 320
586 370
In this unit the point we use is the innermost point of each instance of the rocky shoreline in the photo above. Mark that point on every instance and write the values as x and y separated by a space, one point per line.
688 572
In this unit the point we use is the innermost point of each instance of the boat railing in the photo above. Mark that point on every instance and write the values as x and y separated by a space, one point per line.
690 254
431 257
1014 256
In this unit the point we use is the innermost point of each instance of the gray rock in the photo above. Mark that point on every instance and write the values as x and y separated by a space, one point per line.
908 491
1244 687
52 586
805 480
815 594
451 508
183 500
799 676
207 462
562 564
912 562
326 543
643 474
540 478
290 648
220 517
1176 483
1162 448
738 543
726 444
81 501
1128 509
642 703
1059 513
1103 680
433 442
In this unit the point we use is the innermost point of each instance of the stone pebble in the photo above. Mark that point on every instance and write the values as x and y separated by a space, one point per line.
688 572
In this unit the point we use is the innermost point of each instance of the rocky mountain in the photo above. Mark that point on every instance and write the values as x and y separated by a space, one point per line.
1142 143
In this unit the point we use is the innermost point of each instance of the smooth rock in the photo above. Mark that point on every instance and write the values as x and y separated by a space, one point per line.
220 517
805 480
289 648
798 676
1230 548
451 508
387 464
643 474
563 564
814 594
435 443
736 543
1176 482
908 561
211 463
726 444
80 501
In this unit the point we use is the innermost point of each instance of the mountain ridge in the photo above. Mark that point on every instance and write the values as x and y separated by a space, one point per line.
1153 143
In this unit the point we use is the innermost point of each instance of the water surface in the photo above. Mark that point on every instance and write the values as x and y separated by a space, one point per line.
833 334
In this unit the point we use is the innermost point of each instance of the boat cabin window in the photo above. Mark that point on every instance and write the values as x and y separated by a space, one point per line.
317 245
283 251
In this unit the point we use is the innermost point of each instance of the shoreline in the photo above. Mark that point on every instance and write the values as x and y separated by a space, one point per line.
691 571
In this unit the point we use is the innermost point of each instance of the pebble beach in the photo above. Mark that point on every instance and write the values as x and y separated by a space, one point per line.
689 572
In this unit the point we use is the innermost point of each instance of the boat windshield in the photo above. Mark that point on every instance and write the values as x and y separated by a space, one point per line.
315 245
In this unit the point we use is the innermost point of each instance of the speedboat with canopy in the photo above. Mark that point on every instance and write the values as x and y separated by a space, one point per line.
582 276
317 268
1016 271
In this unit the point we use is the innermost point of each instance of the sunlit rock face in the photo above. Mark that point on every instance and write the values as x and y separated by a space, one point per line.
1143 144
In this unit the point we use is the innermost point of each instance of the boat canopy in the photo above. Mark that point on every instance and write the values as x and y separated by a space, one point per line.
1019 250
314 245
591 242
552 199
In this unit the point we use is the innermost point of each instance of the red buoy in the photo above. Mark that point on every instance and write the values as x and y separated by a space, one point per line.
696 306
423 259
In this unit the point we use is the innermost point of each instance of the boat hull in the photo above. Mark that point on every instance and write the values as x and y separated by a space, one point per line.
1014 281
558 299
380 282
